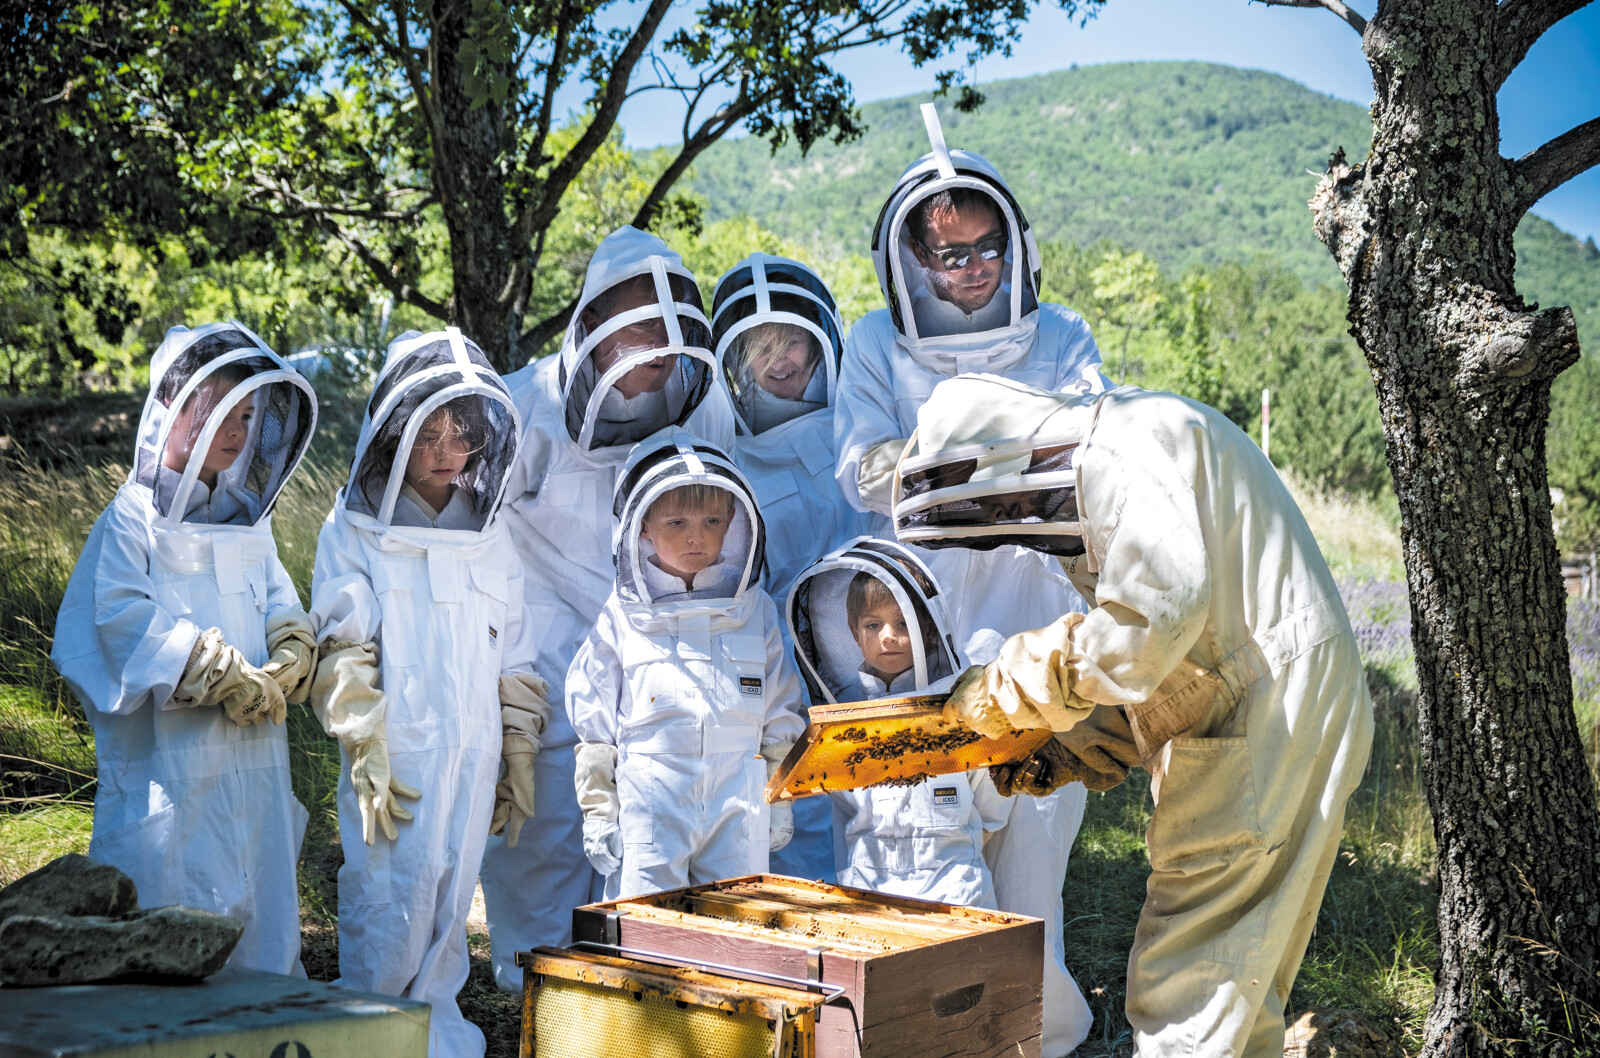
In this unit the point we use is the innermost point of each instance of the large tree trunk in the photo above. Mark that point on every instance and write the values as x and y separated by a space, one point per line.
489 295
1423 232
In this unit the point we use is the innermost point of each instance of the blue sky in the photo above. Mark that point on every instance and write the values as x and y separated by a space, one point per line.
1557 87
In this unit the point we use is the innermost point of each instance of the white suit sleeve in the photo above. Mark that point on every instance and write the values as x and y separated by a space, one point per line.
864 411
344 606
784 697
594 686
992 807
1154 589
281 594
143 646
1080 369
522 639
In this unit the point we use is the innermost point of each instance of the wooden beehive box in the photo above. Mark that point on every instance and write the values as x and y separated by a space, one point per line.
899 740
918 978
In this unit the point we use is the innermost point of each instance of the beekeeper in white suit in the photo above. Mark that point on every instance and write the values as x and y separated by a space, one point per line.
636 358
778 341
868 621
425 673
183 637
959 270
1218 654
683 696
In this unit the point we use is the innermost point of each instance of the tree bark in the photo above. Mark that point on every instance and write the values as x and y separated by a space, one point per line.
489 294
1423 231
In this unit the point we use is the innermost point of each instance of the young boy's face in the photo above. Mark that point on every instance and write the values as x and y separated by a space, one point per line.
687 540
226 443
438 455
884 639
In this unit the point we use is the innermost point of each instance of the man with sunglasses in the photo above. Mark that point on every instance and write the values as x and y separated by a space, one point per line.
959 270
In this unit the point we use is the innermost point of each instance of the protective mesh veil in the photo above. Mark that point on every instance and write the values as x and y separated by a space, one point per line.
981 504
865 577
235 416
672 506
959 287
778 340
643 360
444 400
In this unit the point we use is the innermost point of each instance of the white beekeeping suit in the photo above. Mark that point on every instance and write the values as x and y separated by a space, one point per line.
639 308
426 670
1218 654
683 696
778 341
893 359
924 840
176 611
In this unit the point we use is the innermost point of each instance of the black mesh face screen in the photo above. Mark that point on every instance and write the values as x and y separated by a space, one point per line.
478 427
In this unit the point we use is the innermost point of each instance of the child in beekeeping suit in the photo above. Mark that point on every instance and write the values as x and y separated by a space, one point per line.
683 696
182 635
426 675
868 622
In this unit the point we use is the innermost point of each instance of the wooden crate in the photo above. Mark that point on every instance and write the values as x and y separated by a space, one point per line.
918 979
905 740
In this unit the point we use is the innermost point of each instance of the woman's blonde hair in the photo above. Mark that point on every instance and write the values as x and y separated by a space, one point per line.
758 347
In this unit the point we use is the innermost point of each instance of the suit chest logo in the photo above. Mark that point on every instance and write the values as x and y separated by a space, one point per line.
750 685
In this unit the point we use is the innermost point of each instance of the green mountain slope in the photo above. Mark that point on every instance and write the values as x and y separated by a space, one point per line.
1193 163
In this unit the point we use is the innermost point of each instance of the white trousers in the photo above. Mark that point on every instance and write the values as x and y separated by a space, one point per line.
403 904
1028 858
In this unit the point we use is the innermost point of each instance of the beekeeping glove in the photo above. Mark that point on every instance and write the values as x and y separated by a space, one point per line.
376 789
1100 748
1028 686
217 674
292 654
524 710
602 844
346 699
781 814
1047 770
876 481
595 776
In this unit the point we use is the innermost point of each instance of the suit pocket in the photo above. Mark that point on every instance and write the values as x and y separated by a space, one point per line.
639 793
1207 814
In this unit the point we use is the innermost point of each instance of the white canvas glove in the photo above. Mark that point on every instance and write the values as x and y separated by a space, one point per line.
602 843
217 674
291 654
876 481
523 712
376 790
781 814
1028 686
346 699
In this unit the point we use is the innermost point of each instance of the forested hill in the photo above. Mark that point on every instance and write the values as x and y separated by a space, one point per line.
1194 163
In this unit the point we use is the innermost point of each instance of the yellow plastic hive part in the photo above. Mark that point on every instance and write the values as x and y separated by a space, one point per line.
576 1019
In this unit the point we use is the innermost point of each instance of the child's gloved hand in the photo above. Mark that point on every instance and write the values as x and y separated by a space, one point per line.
602 843
253 695
217 674
782 825
376 790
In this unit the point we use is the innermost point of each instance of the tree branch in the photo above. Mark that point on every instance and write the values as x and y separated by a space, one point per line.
1546 168
385 273
1518 26
1354 18
605 118
545 329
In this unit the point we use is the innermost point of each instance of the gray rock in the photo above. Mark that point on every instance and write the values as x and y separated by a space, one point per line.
167 942
70 885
